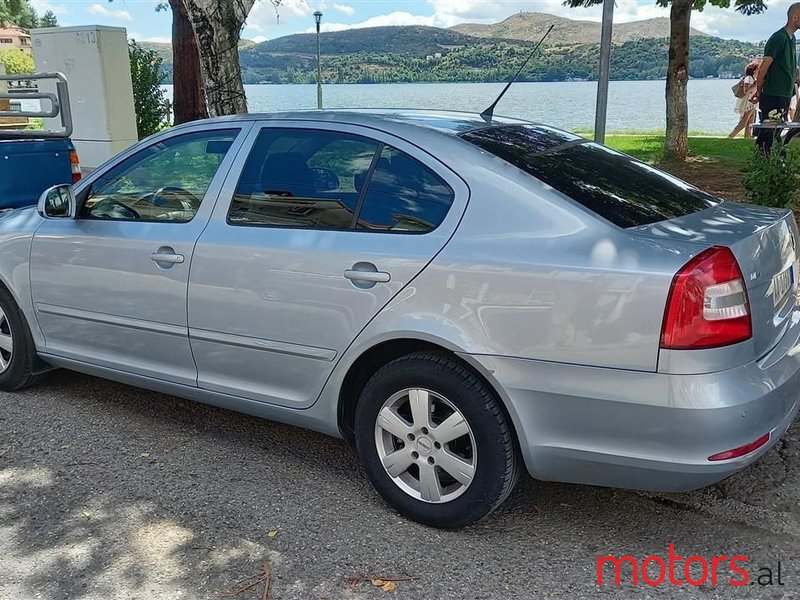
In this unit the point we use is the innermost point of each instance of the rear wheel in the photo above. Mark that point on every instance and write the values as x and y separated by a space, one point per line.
435 441
16 346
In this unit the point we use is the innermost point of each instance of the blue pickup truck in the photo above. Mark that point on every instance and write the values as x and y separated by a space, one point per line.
33 160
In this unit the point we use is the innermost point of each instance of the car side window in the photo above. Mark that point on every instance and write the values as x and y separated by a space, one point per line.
404 196
309 179
164 182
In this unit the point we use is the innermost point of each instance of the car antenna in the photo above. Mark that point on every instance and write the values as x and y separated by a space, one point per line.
487 114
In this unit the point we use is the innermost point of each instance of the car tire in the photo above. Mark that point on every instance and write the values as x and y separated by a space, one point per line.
17 352
435 480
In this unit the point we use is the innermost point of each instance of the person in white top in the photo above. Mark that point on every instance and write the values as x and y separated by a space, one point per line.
793 114
744 107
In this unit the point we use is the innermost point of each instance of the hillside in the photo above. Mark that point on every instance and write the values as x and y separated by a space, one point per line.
530 26
416 53
164 52
635 59
415 40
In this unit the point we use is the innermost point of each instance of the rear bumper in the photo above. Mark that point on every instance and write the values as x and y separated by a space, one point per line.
639 430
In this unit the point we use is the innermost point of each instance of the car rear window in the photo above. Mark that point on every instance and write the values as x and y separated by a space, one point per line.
617 187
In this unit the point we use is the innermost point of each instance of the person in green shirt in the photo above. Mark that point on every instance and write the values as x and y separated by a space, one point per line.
776 75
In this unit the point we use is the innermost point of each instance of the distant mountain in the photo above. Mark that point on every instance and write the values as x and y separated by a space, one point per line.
414 40
164 52
530 26
417 53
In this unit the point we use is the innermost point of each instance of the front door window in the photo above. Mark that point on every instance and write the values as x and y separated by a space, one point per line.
165 182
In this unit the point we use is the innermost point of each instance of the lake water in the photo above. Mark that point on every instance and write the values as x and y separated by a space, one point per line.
632 105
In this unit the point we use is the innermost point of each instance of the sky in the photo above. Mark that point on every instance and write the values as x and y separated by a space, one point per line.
266 21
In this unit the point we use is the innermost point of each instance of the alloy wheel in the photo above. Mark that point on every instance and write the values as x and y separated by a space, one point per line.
425 445
6 342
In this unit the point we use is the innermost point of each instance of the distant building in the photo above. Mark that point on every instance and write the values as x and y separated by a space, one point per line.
12 38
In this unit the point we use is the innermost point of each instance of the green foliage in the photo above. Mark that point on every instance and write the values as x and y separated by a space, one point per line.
17 62
18 12
148 96
48 19
774 179
482 61
414 40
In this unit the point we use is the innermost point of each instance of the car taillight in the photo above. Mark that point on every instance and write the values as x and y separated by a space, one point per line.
75 166
707 305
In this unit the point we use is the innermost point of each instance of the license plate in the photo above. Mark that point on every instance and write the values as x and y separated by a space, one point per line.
781 284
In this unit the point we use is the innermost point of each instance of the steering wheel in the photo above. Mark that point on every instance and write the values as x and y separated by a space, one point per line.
176 198
111 203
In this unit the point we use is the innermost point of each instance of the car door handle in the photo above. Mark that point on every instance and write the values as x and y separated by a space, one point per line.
173 259
370 276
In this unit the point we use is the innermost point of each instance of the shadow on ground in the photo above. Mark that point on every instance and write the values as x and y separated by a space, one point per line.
110 492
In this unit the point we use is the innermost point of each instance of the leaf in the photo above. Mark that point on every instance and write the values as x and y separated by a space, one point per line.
389 586
376 581
353 582
272 534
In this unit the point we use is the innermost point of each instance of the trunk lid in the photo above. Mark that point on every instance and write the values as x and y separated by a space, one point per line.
764 243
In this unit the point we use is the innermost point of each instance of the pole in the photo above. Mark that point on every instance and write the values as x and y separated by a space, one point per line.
319 71
605 67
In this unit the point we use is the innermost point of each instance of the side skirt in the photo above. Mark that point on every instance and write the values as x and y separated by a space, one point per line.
313 418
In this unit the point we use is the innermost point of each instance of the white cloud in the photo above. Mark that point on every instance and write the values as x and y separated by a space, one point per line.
295 15
730 24
154 39
101 11
265 17
345 9
395 18
42 6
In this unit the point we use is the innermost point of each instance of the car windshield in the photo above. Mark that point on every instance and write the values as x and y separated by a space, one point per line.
615 186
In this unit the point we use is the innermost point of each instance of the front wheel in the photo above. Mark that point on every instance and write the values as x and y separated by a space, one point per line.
16 346
435 441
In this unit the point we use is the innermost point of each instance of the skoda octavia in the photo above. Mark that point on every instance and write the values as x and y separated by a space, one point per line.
459 297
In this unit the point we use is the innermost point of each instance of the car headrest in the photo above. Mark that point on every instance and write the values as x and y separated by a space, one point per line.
287 172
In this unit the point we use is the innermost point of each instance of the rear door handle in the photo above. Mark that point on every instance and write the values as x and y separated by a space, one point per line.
167 255
369 276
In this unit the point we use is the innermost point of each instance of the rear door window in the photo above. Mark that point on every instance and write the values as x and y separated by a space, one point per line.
404 196
617 187
308 179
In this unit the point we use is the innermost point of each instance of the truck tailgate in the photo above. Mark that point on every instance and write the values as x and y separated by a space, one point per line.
28 167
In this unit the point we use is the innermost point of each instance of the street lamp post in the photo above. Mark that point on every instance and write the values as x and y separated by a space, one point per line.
318 20
603 76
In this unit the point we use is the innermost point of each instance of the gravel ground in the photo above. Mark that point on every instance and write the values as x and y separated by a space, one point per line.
108 492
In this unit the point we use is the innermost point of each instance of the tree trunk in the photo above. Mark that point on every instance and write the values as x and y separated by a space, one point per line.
676 144
189 101
217 27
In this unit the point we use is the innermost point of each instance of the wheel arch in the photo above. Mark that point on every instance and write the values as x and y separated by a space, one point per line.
381 353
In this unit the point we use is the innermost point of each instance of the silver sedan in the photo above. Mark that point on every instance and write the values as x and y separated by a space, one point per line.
458 297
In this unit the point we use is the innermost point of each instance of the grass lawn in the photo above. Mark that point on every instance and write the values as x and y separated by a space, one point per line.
715 164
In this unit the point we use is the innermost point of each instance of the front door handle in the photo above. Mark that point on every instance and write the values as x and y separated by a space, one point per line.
369 276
